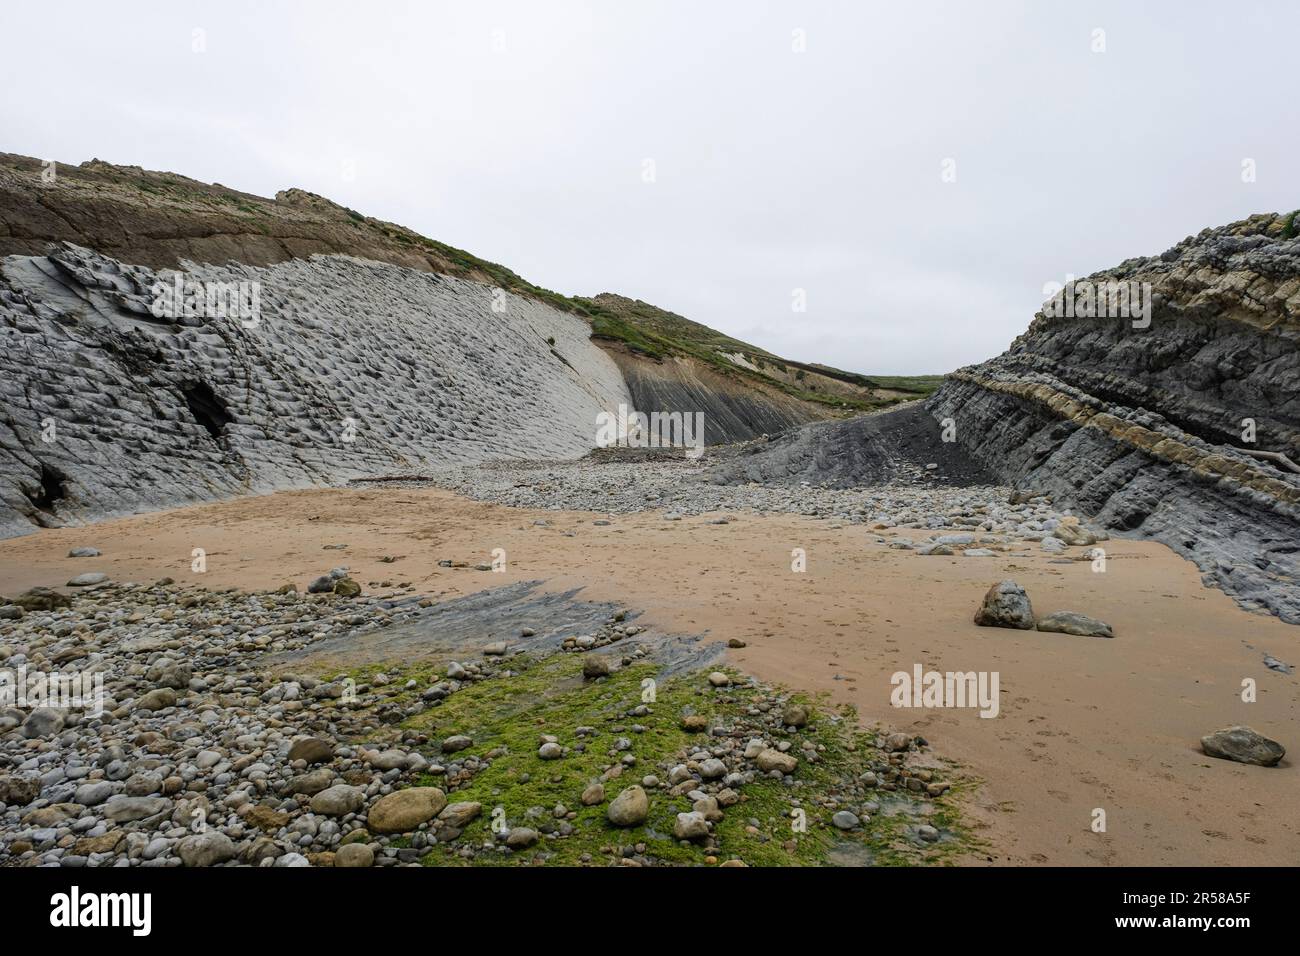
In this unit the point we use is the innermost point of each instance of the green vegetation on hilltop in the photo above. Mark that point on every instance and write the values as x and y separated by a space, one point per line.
920 384
658 333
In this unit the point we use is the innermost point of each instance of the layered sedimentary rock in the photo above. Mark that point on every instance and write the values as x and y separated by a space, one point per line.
162 220
733 411
899 445
351 368
1156 428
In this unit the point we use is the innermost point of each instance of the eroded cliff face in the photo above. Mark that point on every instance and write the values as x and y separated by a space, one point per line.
160 219
163 220
351 369
1155 428
733 411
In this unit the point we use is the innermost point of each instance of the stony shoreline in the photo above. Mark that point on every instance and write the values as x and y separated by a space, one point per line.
205 754
679 487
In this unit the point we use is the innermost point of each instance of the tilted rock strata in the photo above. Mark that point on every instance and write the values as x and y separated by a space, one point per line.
732 412
162 220
898 445
353 369
1142 428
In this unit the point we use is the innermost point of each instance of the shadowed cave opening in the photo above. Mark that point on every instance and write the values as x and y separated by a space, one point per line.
51 491
207 408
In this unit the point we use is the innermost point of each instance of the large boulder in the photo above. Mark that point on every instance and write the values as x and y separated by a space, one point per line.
1244 746
1071 622
1006 605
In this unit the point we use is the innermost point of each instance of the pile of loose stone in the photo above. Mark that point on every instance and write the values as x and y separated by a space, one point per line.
197 753
611 632
200 755
683 487
709 779
972 522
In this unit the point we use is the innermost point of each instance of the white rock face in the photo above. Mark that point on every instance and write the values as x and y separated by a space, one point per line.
353 369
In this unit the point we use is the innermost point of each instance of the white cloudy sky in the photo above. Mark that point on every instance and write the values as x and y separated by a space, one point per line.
520 130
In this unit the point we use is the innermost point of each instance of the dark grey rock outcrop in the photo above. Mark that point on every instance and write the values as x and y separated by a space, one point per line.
732 413
1144 427
898 445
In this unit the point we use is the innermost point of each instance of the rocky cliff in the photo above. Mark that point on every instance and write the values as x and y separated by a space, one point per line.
1179 424
164 220
897 446
350 368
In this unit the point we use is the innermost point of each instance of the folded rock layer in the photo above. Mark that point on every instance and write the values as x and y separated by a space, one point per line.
1156 428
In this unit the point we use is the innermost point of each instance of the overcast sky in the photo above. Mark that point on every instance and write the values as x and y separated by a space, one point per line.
525 133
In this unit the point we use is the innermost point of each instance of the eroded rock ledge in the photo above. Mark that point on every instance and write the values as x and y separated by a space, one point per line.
1144 429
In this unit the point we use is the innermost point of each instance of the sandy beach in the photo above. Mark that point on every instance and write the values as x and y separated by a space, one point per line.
1084 723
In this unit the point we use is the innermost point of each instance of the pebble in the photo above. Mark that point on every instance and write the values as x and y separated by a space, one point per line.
629 809
845 820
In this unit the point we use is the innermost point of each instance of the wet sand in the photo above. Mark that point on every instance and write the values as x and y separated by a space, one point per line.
1084 723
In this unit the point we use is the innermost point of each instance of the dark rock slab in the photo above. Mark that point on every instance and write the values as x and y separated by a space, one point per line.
1140 426
463 627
